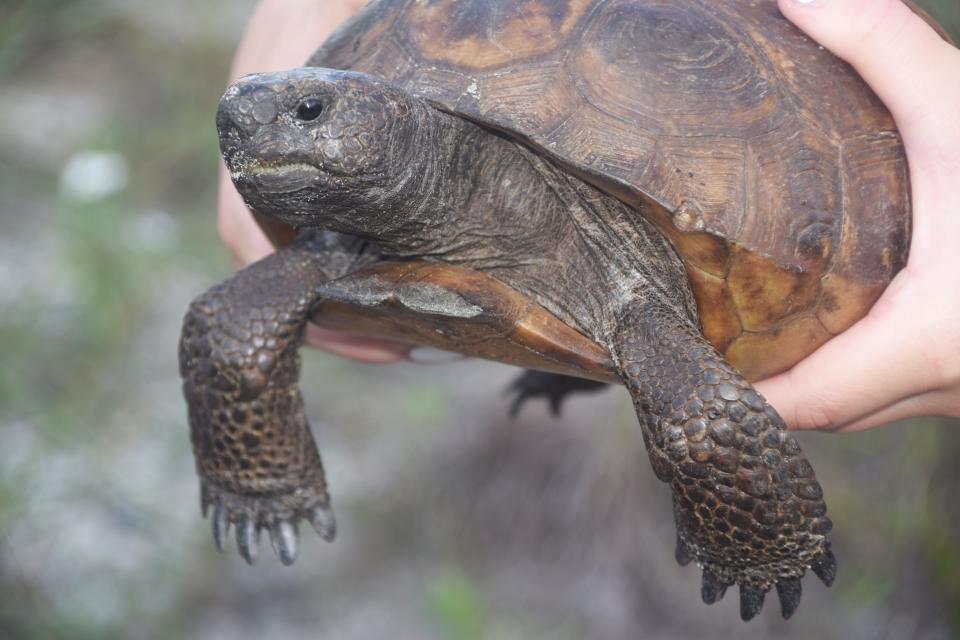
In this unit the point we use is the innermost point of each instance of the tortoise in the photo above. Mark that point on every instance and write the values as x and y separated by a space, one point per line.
679 197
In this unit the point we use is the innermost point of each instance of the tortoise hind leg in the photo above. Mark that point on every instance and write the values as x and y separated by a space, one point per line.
258 464
554 387
746 503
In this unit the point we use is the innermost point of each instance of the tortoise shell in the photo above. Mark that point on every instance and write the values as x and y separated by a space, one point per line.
775 171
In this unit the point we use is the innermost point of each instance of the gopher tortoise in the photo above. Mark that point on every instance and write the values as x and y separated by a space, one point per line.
676 196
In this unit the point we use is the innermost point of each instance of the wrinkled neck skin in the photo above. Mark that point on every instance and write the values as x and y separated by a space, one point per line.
470 196
423 204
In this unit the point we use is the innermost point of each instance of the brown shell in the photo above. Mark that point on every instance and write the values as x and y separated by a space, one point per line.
776 172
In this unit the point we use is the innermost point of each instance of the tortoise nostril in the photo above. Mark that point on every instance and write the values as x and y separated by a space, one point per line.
309 109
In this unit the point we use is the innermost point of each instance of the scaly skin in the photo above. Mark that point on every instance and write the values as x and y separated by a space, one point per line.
322 149
256 457
738 478
747 505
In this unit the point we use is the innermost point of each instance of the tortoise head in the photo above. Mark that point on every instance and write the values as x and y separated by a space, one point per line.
321 148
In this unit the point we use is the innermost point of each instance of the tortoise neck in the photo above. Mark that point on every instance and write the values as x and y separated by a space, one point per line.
485 201
473 196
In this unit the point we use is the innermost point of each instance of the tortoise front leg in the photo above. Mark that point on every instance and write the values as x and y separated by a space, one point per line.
747 506
258 464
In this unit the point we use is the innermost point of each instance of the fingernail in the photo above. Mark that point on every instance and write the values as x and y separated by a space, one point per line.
432 355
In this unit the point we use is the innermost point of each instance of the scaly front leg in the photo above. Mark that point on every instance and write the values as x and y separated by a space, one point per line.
258 464
747 506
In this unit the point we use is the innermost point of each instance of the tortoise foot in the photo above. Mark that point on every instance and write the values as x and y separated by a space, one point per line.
249 515
553 387
717 578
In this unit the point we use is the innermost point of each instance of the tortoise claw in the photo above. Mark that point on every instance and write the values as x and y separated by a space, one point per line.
522 392
221 525
284 538
713 588
683 555
323 521
249 515
789 590
204 501
825 566
751 601
248 539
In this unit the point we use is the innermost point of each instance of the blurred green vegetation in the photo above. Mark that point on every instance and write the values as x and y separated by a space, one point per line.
166 136
455 601
84 276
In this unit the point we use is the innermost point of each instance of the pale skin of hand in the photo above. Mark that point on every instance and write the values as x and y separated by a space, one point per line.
903 358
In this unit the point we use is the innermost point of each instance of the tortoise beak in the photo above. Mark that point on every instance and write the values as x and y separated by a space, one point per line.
245 107
259 151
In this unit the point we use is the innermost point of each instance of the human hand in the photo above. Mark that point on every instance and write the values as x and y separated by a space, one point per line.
903 358
282 34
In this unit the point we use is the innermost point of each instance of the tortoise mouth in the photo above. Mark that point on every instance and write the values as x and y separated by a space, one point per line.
280 178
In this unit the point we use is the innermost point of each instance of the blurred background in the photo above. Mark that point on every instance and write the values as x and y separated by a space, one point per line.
455 523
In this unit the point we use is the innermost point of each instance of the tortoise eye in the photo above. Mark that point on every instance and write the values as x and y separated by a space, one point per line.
309 109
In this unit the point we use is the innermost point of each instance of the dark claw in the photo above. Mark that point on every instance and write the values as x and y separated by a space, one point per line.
712 589
204 501
283 537
751 601
825 566
323 521
520 400
248 539
682 553
789 590
556 403
221 525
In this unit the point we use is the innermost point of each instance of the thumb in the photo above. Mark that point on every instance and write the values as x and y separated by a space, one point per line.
884 40
884 360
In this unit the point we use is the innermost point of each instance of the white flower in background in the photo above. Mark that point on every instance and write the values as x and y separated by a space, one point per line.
94 175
